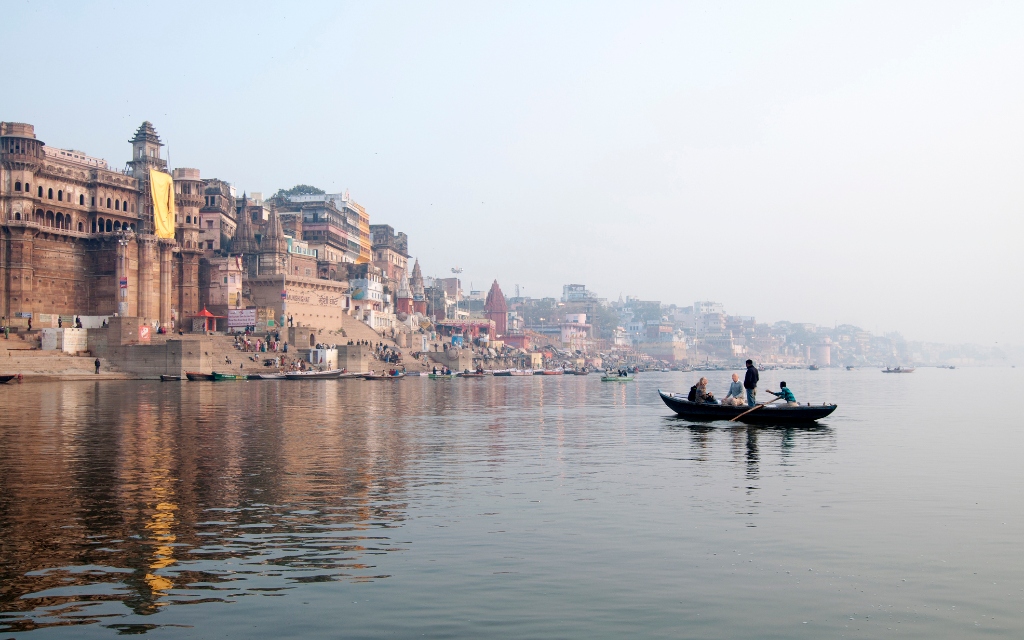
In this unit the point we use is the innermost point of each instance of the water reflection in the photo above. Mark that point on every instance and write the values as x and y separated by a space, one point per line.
152 495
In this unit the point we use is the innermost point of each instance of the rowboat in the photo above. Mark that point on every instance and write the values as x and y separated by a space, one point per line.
471 374
195 376
764 414
616 378
227 376
7 377
548 372
898 370
441 376
576 372
383 376
164 377
266 376
313 375
512 372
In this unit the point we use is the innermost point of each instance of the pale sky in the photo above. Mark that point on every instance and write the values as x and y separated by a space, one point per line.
815 162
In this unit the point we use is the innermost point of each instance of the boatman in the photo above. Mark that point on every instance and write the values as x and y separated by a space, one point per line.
750 383
784 392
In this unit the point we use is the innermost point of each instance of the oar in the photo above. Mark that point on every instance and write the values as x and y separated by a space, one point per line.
752 409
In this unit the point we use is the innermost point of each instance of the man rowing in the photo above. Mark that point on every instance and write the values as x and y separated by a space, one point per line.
785 393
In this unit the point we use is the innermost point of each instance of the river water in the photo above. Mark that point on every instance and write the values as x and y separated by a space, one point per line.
546 507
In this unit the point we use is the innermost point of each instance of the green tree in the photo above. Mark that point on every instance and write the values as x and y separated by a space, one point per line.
299 190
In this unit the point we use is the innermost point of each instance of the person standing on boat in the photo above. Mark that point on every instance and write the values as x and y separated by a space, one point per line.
784 392
735 395
750 383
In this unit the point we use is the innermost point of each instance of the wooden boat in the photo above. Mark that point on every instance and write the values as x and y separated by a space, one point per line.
548 372
471 374
441 376
616 378
7 377
228 376
313 375
169 378
766 414
383 376
898 370
195 376
813 367
266 376
576 372
512 372
849 367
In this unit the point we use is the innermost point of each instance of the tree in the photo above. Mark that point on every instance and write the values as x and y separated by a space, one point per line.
299 190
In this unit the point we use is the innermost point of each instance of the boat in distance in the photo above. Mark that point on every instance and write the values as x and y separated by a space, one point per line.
384 376
512 372
313 375
763 414
616 378
898 370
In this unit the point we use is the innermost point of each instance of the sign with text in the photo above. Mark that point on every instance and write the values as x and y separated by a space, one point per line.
242 317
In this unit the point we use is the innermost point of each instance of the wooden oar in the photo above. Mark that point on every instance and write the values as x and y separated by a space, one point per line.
752 409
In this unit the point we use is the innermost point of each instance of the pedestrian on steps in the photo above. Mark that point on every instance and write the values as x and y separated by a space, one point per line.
97 365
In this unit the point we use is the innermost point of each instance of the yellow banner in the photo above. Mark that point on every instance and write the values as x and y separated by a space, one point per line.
162 187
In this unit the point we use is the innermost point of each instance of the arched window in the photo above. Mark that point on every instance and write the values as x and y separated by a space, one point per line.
80 229
40 218
133 207
81 200
40 192
188 219
133 226
17 186
110 226
93 201
17 215
117 226
108 203
49 218
94 226
117 205
59 220
49 194
60 195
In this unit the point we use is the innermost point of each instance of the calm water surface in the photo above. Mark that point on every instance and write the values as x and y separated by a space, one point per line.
548 507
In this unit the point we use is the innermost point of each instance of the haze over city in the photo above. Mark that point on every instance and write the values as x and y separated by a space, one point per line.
849 163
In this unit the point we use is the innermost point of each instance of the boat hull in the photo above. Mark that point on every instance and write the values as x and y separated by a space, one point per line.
169 378
616 378
768 414
227 376
195 376
313 375
7 377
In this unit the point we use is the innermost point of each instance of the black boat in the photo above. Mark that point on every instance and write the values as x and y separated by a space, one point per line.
767 414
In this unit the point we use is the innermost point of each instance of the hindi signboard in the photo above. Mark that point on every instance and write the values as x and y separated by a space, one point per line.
242 317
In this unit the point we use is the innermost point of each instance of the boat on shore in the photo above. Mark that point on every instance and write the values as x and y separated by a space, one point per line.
164 377
761 414
227 376
898 370
266 376
195 376
383 376
471 374
313 375
548 372
512 372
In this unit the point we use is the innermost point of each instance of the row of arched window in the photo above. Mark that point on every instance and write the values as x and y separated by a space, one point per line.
114 203
99 225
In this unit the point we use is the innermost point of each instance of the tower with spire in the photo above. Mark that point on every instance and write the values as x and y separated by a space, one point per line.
146 146
273 249
244 243
419 294
496 309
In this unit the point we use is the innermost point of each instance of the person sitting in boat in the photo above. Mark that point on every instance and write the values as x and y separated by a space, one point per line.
784 392
735 396
700 392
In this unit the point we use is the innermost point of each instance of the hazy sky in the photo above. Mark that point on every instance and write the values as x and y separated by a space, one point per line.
814 162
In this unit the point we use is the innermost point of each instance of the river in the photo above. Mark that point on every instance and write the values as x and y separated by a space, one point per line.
545 507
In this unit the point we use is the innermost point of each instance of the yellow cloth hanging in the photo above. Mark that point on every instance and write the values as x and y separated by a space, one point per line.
162 188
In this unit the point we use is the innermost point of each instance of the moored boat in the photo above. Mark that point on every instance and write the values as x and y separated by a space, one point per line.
227 376
441 376
472 374
576 372
7 377
195 376
266 376
164 377
761 414
549 372
616 378
313 375
898 370
383 376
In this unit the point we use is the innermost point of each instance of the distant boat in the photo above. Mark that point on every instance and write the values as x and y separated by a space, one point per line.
849 367
195 376
384 376
471 374
576 372
441 376
898 370
616 378
164 378
512 372
814 367
549 372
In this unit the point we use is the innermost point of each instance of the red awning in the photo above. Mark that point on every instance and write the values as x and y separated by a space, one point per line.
206 314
